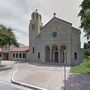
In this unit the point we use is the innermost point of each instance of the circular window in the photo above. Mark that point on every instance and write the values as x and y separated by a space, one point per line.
54 34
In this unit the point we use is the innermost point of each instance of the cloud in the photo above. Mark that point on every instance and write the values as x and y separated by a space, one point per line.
17 13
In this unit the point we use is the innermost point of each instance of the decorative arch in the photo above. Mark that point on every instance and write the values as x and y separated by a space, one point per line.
55 53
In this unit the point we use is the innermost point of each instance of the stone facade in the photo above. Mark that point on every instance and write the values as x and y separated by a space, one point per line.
57 41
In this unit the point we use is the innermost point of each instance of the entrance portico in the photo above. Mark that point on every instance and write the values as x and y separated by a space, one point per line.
55 54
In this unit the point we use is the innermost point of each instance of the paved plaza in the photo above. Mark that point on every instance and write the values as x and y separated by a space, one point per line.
7 69
50 77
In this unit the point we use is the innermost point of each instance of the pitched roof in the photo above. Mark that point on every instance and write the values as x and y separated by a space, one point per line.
57 19
20 49
50 21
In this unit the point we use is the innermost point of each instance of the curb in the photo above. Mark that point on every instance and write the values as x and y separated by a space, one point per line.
5 68
24 84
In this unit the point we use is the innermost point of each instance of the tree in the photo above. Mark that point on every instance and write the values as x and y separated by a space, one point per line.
87 49
85 16
7 37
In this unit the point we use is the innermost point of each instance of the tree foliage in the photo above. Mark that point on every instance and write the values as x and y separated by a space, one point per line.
85 16
87 45
7 37
87 49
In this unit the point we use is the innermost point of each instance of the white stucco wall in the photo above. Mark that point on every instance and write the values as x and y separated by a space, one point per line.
18 58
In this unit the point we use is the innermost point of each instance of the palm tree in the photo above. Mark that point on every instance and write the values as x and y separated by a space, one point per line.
85 16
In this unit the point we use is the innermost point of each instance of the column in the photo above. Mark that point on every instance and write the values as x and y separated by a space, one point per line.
50 53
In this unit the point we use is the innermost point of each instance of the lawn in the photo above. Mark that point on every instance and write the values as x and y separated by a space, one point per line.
83 68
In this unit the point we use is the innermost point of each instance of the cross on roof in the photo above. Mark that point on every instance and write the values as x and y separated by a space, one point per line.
54 14
36 10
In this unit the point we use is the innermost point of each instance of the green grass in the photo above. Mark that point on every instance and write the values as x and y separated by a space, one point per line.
83 68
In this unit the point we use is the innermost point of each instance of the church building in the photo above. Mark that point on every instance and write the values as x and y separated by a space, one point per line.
55 42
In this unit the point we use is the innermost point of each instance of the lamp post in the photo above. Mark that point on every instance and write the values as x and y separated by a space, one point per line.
65 63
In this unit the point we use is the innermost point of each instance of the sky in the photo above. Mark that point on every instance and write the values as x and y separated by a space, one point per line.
17 14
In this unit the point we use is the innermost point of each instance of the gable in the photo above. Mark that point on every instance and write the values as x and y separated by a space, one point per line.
55 20
62 28
54 23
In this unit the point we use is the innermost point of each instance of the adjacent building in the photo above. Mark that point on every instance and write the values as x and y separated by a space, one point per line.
14 53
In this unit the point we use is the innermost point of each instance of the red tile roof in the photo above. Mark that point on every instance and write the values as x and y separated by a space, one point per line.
20 49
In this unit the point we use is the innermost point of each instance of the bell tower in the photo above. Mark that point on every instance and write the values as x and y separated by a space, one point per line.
35 26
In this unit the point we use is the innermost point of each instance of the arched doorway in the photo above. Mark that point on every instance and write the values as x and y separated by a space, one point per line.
51 54
63 54
55 54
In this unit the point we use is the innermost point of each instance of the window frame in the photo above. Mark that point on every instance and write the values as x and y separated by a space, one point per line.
20 55
33 50
75 55
0 55
13 55
24 55
38 55
16 55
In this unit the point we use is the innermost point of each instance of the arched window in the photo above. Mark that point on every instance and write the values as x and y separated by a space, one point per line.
13 55
24 55
33 26
0 54
33 49
40 17
37 16
33 15
39 55
19 55
54 34
75 56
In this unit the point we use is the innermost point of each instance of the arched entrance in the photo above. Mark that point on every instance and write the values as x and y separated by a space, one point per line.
55 54
51 54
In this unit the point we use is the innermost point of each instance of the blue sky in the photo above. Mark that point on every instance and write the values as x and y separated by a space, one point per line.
17 13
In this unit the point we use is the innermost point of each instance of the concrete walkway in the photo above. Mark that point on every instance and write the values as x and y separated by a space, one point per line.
50 77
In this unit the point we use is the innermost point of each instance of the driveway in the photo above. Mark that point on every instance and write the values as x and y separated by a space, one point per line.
50 77
6 74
